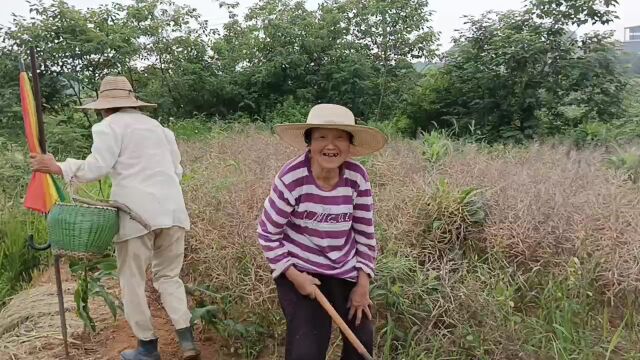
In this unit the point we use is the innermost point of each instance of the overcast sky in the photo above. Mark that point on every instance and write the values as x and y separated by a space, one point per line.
446 19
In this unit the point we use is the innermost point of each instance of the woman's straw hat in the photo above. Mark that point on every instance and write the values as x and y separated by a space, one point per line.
366 140
115 92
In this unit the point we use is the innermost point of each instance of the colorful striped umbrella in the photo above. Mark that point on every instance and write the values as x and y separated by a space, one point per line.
43 190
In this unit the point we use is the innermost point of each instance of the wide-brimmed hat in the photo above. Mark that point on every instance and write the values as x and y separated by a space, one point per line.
115 92
366 140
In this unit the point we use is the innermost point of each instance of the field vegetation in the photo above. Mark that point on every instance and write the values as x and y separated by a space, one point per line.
507 200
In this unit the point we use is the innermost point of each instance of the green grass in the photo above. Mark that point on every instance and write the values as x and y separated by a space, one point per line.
628 162
201 128
487 309
436 146
438 296
17 261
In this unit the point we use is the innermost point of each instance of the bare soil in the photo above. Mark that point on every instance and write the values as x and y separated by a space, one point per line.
111 337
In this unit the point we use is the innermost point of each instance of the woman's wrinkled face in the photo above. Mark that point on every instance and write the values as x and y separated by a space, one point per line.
330 147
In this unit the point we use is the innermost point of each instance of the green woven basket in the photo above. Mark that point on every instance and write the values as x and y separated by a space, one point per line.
82 229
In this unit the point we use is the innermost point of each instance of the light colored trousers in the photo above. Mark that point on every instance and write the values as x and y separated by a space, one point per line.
163 249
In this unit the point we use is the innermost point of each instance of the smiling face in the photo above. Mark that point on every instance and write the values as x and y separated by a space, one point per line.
330 147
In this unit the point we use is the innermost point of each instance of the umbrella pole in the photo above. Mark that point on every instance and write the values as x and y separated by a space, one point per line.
43 146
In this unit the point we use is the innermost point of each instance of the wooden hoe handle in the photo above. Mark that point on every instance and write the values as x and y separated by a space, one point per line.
342 325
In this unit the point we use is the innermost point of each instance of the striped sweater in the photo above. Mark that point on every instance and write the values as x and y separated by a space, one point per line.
317 231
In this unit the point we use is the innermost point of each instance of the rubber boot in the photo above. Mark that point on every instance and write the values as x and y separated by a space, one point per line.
147 350
189 349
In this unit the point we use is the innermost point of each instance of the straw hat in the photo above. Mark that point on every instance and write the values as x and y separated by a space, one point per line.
366 140
115 92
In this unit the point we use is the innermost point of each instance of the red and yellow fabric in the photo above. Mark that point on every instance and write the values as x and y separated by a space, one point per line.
43 191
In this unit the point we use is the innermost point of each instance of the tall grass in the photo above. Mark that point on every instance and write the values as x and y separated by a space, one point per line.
485 252
495 253
18 262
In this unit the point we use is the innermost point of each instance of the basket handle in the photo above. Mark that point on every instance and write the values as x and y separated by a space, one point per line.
108 203
118 205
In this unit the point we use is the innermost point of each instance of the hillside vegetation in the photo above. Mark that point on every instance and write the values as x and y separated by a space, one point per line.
507 202
511 252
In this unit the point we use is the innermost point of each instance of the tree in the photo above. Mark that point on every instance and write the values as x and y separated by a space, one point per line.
173 41
514 75
280 53
630 62
9 93
78 46
394 31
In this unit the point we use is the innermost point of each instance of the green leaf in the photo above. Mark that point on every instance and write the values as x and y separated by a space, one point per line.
81 298
206 314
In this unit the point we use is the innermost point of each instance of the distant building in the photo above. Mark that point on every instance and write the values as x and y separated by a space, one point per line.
632 39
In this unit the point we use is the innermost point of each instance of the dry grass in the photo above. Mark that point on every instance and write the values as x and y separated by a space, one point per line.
545 206
231 179
501 293
548 204
30 325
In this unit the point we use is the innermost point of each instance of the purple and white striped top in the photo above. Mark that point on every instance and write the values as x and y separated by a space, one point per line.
317 231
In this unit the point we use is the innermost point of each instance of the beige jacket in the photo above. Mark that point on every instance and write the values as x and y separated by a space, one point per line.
143 161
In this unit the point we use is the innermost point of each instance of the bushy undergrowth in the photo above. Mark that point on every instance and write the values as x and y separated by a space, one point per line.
497 252
627 162
17 261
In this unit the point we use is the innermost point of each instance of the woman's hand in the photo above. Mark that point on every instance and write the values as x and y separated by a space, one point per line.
359 300
304 283
45 163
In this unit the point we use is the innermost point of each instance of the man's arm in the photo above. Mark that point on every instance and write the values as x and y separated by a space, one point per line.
104 154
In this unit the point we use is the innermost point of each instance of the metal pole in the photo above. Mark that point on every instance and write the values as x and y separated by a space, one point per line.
43 147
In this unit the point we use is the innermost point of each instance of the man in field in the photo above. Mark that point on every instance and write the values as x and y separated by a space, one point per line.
143 161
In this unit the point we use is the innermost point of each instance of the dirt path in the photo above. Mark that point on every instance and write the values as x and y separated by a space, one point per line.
119 336
110 338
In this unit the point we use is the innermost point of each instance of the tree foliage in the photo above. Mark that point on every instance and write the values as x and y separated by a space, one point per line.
511 75
281 52
630 63
518 74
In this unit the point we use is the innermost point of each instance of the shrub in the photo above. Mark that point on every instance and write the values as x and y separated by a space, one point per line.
289 111
602 134
628 162
449 215
436 146
17 261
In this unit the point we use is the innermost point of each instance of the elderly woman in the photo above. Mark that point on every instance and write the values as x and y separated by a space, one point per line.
316 230
143 160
